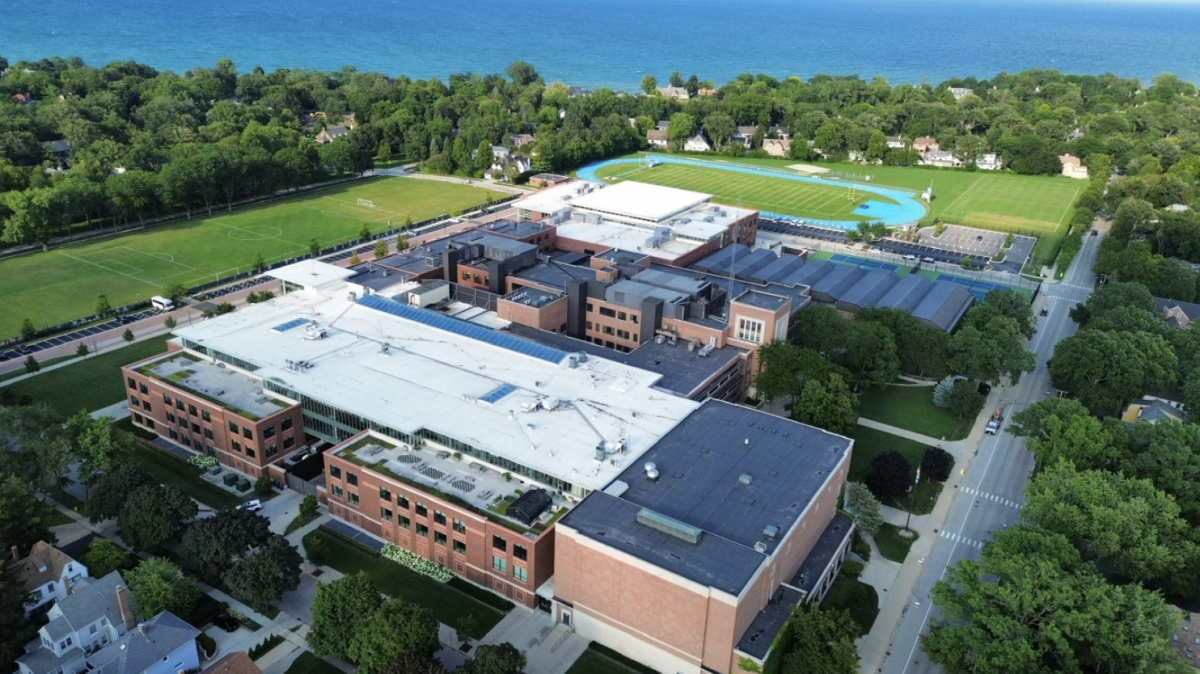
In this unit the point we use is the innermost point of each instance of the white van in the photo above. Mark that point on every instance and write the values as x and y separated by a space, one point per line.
161 303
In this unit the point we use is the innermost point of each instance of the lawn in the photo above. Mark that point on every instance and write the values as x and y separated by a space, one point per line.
855 596
62 284
90 384
170 470
395 580
600 660
44 363
778 195
869 443
912 408
922 499
891 544
308 663
58 518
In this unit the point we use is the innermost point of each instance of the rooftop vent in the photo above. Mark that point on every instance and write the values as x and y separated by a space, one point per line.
651 471
772 531
670 526
745 479
760 547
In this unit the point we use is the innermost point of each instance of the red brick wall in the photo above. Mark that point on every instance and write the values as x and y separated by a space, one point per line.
551 316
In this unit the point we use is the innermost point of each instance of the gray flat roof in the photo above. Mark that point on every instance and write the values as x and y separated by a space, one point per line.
378 277
555 274
822 553
870 289
761 300
520 230
719 261
943 306
810 273
415 261
778 269
907 294
690 285
744 266
798 293
701 463
834 285
756 641
630 293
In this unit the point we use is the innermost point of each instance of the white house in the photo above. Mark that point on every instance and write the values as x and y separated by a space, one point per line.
940 158
678 93
1072 167
988 162
895 143
697 143
658 138
745 136
49 574
779 131
961 92
926 144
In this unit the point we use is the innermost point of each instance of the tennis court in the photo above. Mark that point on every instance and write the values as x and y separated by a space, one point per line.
863 263
979 288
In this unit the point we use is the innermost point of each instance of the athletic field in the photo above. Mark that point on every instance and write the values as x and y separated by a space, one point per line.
62 284
777 195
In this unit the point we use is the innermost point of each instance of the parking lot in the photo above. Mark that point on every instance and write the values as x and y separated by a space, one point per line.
925 253
802 229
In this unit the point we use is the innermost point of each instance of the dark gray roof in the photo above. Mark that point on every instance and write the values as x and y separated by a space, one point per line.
555 274
691 285
58 628
500 244
519 230
718 262
60 146
534 297
377 277
616 255
744 266
945 304
810 273
631 293
836 283
701 463
761 300
778 269
734 288
88 602
1190 309
41 660
134 652
757 640
412 261
823 550
1157 410
869 290
906 294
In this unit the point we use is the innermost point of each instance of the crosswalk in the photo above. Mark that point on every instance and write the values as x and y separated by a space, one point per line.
962 539
991 497
1077 287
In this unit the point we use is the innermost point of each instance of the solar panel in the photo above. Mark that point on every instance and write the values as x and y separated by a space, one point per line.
294 323
480 334
497 393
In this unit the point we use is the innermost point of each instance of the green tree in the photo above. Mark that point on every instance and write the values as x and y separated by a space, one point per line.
381 249
395 628
308 506
827 404
649 84
127 335
1004 303
109 494
992 352
15 628
258 265
522 73
936 464
1106 370
27 330
720 127
822 642
103 557
941 392
501 658
103 308
402 240
877 146
1176 280
868 513
314 247
890 476
354 259
97 446
81 350
24 518
30 216
265 576
32 365
176 292
1057 429
169 322
965 400
158 585
680 128
153 518
787 367
213 545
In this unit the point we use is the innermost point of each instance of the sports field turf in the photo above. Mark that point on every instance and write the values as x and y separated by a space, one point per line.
62 284
778 195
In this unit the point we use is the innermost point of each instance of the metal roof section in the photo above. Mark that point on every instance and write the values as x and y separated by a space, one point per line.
834 285
718 262
812 272
907 294
311 274
743 267
761 300
778 269
868 291
945 304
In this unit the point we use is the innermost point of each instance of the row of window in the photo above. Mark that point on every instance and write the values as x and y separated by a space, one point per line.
614 313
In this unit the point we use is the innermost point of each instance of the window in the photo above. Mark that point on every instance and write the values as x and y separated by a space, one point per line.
335 471
195 428
144 390
233 427
590 308
422 530
250 452
237 446
607 313
385 494
354 498
475 278
500 564
633 318
608 330
466 276
439 517
386 514
337 491
422 510
351 478
174 434
269 432
187 441
460 547
286 423
439 538
289 442
248 433
520 552
589 325
499 543
167 398
133 400
520 573
138 418
132 383
212 451
170 418
623 334
621 315
205 415
402 501
149 423
460 526
192 410
146 406
92 629
404 523
179 404
750 330
272 449
208 433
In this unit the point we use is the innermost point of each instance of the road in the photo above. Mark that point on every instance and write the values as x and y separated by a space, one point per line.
993 487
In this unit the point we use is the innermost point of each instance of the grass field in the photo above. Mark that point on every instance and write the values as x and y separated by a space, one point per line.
912 408
891 544
868 443
62 284
855 596
778 195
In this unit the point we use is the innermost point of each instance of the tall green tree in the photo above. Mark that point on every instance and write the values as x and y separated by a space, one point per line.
680 128
868 513
15 628
396 628
158 585
822 642
108 496
993 352
827 404
339 611
1057 429
263 577
24 518
1106 370
153 518
213 545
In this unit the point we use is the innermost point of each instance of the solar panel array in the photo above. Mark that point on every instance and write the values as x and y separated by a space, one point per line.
497 393
464 329
294 323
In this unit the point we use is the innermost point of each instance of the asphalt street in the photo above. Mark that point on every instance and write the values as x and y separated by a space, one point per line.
993 488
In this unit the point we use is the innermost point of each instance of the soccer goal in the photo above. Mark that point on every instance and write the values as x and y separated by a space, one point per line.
366 202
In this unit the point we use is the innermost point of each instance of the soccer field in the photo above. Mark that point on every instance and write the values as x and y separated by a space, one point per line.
62 284
778 195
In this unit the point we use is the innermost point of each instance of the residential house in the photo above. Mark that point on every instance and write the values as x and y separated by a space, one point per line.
697 143
780 132
238 662
1186 639
777 147
331 133
576 92
988 162
745 136
61 149
547 180
895 143
24 99
706 91
1072 167
940 158
1153 410
662 125
521 139
1178 208
678 93
658 138
961 92
94 615
925 144
164 644
48 574
1175 313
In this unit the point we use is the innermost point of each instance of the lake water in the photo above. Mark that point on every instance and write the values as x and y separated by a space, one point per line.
613 43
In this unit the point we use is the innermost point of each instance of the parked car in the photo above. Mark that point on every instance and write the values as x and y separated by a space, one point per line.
252 506
1045 311
226 622
993 428
927 260
1093 233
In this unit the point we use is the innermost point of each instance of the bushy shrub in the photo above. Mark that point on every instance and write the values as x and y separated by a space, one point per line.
852 569
203 461
416 563
936 464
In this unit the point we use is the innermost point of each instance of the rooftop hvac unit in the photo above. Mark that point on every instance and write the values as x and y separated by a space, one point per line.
601 452
708 218
651 471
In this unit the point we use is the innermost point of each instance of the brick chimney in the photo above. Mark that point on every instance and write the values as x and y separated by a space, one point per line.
125 605
142 629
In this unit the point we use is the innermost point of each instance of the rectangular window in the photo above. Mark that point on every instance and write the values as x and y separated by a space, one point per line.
133 400
132 383
500 564
174 434
337 491
633 318
385 514
460 526
272 449
422 510
607 313
385 494
422 530
289 442
179 404
269 432
750 330
248 433
192 410
499 543
351 478
233 427
187 441
205 415
439 517
183 422
623 334
149 423
170 417
138 418
195 427
146 406
439 538
335 471
143 389
404 523
608 330
402 501
250 452
209 434
590 308
466 276
167 398
286 423
520 573
237 446
354 498
621 315
520 552
475 278
460 547
589 325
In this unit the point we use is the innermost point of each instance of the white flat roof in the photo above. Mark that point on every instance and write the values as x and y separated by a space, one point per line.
626 237
555 199
433 379
640 201
312 273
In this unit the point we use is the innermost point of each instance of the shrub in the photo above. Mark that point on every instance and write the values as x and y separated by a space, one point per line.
891 475
852 569
941 392
308 507
208 644
263 484
316 550
416 563
81 350
203 461
862 549
936 464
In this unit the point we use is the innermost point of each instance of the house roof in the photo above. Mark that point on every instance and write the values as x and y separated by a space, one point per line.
1069 159
41 660
657 134
44 564
60 146
1189 309
1155 410
135 652
238 662
92 600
